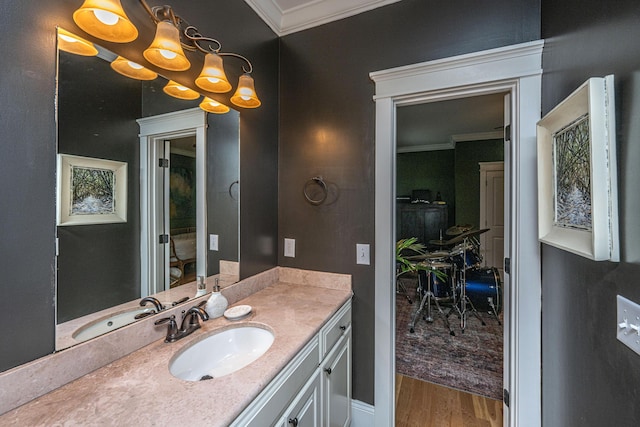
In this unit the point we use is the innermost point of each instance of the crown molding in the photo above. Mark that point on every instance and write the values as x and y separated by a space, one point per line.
310 14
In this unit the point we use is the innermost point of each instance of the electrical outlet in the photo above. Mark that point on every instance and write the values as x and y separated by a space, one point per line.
213 242
628 319
290 248
362 254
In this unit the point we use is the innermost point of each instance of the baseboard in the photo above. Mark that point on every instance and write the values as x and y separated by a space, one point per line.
361 414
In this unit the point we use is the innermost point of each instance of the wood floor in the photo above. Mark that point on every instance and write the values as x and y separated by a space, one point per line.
422 404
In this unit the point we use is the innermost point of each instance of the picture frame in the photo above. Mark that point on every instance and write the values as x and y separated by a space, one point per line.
577 173
91 191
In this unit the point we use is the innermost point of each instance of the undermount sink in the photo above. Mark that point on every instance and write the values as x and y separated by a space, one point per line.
109 323
221 353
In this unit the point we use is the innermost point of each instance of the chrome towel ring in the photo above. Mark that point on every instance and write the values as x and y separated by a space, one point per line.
308 187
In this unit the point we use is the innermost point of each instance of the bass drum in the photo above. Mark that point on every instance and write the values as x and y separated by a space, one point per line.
484 289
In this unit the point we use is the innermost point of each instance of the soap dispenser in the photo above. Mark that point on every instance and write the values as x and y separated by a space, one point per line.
217 303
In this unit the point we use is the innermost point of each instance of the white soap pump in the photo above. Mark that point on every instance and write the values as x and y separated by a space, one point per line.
217 303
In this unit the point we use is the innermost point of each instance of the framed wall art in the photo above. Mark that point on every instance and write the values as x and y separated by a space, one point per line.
577 175
91 191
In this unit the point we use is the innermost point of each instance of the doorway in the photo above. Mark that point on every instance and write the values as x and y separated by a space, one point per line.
157 134
449 326
516 70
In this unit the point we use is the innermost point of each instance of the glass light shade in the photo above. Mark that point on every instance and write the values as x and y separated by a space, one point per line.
212 77
245 95
212 106
165 51
71 43
132 69
106 20
177 90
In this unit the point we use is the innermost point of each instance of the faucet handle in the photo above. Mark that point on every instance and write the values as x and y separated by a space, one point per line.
172 329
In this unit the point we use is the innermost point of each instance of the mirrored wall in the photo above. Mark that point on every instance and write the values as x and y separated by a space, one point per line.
100 250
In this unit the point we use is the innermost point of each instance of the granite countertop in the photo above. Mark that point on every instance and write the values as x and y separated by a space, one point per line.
138 388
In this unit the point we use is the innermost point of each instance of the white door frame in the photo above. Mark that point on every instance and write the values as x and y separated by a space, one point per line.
516 69
153 129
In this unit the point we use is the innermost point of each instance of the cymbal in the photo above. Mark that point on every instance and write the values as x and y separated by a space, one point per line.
439 242
429 255
466 235
458 229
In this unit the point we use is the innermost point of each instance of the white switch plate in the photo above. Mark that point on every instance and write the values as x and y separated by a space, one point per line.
213 242
628 323
362 254
290 248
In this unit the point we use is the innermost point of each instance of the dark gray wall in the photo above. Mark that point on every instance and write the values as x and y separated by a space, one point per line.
467 172
588 377
327 128
27 152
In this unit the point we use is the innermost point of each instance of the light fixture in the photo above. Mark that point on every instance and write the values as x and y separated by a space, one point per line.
166 51
71 43
132 69
106 20
213 106
245 95
212 78
177 90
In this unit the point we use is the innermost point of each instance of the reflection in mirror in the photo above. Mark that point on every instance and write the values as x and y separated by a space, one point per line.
99 266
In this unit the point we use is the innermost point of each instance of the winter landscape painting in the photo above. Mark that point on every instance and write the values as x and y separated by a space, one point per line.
91 191
572 164
577 173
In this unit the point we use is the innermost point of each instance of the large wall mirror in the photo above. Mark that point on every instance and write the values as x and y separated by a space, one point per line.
104 173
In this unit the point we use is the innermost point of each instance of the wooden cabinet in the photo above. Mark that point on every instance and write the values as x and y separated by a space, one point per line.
314 389
422 220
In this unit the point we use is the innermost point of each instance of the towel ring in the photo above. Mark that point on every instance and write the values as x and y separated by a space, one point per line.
231 186
317 180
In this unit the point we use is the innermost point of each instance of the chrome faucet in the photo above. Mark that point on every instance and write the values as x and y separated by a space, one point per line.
190 323
156 303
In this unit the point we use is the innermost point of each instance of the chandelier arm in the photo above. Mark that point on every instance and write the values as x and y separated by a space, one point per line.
195 38
248 71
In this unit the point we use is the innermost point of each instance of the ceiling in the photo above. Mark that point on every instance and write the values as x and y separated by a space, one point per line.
431 126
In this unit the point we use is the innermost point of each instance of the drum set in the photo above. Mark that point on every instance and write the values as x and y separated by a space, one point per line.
453 277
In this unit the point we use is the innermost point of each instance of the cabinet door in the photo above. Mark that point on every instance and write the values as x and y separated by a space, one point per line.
305 410
336 394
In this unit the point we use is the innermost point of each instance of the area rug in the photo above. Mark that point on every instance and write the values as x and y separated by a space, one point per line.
470 361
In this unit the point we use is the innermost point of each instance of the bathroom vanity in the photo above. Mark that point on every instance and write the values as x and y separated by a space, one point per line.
304 376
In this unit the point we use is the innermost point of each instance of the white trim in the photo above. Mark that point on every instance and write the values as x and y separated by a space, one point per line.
427 147
478 136
515 69
310 14
451 145
361 414
152 129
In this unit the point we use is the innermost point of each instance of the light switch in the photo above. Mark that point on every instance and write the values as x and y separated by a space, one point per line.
362 254
290 248
213 242
628 327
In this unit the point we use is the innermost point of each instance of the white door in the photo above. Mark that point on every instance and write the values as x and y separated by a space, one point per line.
492 214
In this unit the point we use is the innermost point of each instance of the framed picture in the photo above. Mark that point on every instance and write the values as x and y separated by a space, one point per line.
577 177
91 191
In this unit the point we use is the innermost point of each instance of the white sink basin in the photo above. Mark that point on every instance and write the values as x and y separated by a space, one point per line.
108 323
221 353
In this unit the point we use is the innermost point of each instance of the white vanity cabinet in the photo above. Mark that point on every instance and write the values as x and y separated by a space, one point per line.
314 389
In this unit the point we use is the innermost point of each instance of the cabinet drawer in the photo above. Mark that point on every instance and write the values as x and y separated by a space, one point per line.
337 326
